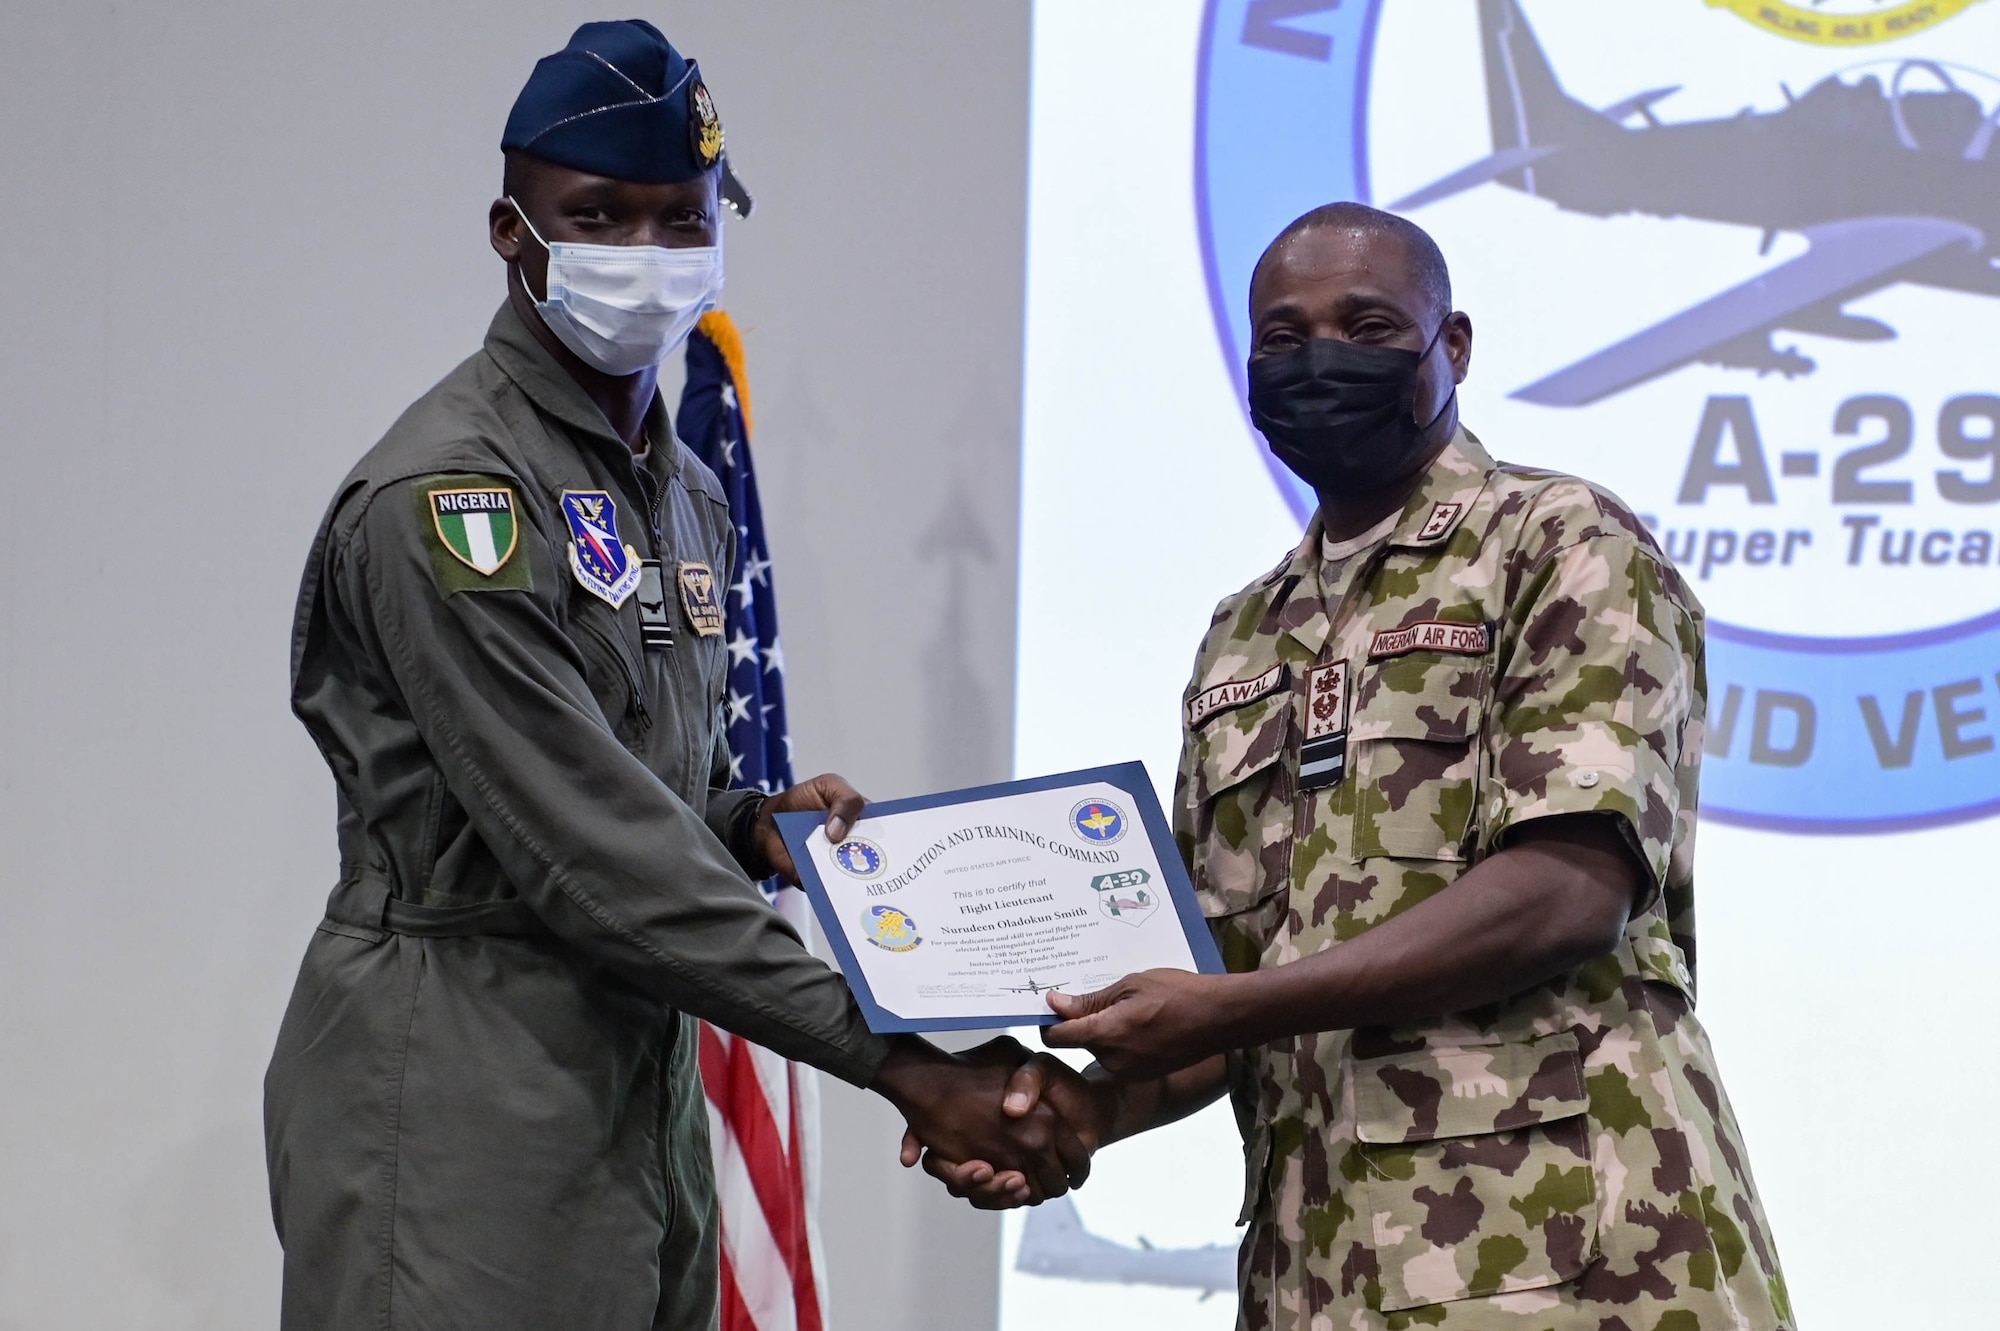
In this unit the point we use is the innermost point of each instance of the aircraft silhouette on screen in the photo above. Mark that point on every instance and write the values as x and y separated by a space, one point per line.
1886 184
1054 1242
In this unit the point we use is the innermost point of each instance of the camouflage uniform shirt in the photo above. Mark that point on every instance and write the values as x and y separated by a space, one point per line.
1514 647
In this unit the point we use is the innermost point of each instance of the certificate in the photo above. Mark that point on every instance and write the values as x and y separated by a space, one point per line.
961 910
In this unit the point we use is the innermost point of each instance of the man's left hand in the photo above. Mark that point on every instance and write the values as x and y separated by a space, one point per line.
842 802
1145 1025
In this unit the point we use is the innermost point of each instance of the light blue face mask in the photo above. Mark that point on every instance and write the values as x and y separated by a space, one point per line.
625 308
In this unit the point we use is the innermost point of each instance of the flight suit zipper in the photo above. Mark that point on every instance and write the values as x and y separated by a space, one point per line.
635 680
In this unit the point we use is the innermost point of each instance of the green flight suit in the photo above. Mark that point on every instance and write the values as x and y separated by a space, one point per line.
484 1110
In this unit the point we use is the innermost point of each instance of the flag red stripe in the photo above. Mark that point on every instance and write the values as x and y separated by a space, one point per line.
755 1128
776 1175
735 1313
805 1291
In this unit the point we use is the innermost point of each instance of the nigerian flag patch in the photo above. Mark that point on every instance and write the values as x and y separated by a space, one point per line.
476 521
476 525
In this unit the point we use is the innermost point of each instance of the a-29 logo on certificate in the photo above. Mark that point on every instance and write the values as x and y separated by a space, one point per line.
1746 275
1124 896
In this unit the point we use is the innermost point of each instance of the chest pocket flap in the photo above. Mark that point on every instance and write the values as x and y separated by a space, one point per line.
1242 797
1414 741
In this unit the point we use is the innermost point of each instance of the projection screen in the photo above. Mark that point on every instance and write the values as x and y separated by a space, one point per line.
1760 302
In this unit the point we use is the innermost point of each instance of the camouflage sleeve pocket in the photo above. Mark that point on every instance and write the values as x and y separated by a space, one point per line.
1241 797
1478 1172
1416 763
1587 766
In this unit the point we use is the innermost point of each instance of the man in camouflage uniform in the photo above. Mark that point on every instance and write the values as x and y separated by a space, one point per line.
1437 794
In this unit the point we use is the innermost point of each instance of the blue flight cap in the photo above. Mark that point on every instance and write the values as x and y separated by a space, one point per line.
618 101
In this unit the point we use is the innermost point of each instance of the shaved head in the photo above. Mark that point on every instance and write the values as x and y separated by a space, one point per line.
1427 269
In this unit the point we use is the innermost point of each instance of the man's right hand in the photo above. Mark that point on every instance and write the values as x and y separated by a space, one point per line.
949 1102
1089 1106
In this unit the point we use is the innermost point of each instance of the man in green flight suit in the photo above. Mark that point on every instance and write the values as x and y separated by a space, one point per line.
484 1109
1437 793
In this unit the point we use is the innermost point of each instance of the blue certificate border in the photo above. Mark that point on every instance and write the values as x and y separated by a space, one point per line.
1130 778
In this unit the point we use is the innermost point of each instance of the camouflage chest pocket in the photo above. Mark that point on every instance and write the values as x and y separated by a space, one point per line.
1414 745
1476 1169
1242 799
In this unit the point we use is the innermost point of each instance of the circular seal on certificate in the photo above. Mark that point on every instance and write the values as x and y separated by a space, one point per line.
889 929
858 857
1099 822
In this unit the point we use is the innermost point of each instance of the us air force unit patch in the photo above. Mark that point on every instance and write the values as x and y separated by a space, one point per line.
606 566
475 523
698 598
1323 754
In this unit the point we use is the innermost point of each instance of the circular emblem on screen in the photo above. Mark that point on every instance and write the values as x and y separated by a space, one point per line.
1843 22
889 929
858 857
1098 821
1740 282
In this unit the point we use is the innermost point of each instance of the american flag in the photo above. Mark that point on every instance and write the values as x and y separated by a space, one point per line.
763 1112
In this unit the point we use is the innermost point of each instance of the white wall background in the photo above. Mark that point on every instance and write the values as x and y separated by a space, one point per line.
241 238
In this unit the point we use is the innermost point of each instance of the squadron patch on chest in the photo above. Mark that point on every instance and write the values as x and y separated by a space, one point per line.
1233 693
1323 754
1433 635
606 566
699 599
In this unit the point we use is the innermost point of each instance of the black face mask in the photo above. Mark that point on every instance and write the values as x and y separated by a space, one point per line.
1342 415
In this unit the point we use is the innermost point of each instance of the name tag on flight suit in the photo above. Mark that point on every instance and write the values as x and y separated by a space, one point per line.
1323 754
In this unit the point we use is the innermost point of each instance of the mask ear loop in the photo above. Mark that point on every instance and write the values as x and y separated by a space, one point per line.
522 213
1430 346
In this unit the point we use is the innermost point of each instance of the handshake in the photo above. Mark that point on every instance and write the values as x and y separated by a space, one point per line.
999 1125
1003 1126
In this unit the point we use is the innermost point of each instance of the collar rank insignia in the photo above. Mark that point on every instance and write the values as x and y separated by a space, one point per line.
1439 522
607 567
698 598
477 526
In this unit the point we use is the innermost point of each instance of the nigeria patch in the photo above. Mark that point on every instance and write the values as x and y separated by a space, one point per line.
477 527
606 566
472 526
